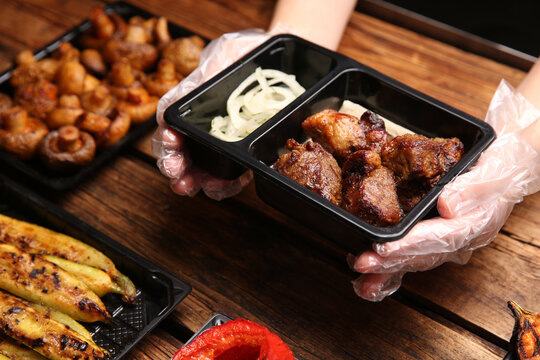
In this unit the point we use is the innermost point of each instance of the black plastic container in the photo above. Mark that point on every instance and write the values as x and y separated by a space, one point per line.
158 291
329 79
216 320
35 169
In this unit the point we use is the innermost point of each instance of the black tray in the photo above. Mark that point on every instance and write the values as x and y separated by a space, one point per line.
329 79
34 169
158 291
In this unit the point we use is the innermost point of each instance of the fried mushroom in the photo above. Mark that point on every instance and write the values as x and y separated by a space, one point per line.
134 48
93 123
104 27
20 134
38 98
184 53
117 129
99 101
161 32
139 104
163 80
67 52
68 111
93 62
70 78
122 77
29 70
67 148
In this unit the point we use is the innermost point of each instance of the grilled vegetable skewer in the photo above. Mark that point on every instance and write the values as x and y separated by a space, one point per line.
97 280
61 318
39 240
10 349
46 336
38 280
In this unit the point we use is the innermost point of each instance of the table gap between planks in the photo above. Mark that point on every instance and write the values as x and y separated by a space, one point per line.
255 262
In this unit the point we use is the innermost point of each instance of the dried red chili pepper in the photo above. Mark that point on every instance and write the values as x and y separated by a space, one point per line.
236 340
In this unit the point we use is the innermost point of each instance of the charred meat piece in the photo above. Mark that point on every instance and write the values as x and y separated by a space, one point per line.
340 134
411 192
343 134
361 162
312 167
413 156
418 163
376 138
369 190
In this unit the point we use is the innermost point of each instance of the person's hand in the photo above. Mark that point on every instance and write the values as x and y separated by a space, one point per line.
473 208
168 145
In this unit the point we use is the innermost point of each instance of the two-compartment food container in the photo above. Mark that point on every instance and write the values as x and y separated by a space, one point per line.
329 79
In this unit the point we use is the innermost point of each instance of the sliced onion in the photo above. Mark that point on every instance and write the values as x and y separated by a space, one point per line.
247 110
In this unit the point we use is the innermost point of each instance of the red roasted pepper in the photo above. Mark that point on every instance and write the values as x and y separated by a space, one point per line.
236 340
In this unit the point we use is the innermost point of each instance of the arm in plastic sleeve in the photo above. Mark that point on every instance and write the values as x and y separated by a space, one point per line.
473 208
173 158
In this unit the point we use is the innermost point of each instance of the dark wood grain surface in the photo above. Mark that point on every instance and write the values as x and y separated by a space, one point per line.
245 259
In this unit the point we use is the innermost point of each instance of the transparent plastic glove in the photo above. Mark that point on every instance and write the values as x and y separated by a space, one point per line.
168 145
473 208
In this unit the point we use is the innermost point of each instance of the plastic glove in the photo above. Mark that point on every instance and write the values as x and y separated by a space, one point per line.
168 145
473 208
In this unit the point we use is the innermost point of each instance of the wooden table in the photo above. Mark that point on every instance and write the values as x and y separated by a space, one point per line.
245 259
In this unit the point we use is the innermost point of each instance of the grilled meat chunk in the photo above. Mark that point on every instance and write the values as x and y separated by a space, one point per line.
414 156
312 167
419 163
369 190
343 134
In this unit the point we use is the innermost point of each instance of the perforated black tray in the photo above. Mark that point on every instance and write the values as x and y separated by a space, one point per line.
158 291
34 169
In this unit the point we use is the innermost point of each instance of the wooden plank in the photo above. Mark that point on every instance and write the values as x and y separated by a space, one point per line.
65 14
159 344
523 223
202 16
461 79
247 266
27 28
194 311
478 292
8 50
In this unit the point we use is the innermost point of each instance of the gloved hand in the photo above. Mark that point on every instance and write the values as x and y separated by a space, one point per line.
168 145
473 208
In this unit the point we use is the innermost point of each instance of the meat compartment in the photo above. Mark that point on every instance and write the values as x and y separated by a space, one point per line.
394 102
